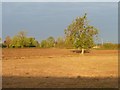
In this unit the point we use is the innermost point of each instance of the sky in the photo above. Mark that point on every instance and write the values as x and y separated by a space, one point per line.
59 0
44 19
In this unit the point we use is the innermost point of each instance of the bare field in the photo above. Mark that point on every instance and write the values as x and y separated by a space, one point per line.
38 68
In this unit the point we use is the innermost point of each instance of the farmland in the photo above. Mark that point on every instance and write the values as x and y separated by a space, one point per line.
38 68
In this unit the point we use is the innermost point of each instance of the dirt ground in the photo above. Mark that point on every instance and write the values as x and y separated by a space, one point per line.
59 68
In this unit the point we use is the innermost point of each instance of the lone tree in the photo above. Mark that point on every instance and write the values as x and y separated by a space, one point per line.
81 34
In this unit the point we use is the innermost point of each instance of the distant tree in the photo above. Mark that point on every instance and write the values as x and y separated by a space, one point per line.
50 41
69 42
22 38
31 42
109 46
80 34
19 40
7 41
16 42
36 43
43 44
60 42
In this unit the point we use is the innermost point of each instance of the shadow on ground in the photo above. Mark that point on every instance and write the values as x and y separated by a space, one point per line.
79 51
59 82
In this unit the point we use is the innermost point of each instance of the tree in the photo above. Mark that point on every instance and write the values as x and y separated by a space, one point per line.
22 38
50 41
16 41
7 41
109 46
31 42
60 42
19 40
80 34
43 44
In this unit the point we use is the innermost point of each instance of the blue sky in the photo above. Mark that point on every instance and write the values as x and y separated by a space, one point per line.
42 20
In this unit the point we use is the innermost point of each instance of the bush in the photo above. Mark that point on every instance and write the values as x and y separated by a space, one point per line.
109 46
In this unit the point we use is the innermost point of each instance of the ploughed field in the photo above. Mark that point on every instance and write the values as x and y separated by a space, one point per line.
38 68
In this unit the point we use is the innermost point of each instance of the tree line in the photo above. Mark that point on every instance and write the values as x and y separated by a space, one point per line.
79 34
21 40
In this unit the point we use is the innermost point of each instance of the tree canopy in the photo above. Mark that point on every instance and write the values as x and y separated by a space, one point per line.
80 34
49 42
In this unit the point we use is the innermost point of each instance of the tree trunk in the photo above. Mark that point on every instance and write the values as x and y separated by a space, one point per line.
82 51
